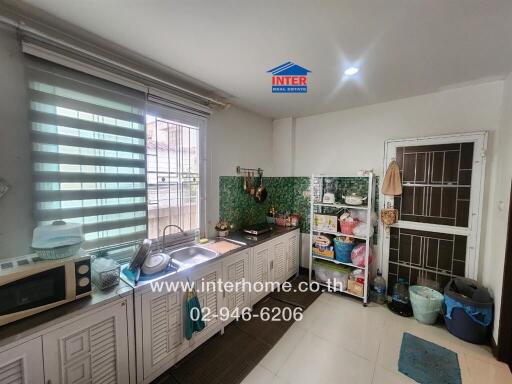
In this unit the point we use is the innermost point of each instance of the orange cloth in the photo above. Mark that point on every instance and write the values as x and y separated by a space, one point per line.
392 185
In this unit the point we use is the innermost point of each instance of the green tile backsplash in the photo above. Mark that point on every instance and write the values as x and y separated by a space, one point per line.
287 194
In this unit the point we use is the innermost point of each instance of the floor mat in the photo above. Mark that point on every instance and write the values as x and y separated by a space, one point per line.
295 297
428 363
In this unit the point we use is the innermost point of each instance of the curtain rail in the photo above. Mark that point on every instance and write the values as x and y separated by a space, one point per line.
143 75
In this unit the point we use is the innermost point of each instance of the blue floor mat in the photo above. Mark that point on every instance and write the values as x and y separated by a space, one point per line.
428 363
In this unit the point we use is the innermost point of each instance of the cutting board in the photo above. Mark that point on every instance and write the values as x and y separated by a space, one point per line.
222 246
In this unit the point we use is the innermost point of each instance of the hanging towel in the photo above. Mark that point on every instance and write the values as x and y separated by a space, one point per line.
193 317
392 185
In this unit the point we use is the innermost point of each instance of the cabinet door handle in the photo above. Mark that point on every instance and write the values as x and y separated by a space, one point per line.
272 265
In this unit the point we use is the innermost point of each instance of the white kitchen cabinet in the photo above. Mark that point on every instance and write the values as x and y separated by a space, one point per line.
278 259
210 300
91 349
261 257
161 329
292 253
22 364
235 270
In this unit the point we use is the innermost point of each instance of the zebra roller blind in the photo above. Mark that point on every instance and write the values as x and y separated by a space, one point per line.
89 154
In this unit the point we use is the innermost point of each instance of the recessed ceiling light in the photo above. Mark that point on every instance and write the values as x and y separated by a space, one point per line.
351 71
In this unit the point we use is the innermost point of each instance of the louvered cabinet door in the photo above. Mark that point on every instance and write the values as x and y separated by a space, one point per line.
278 263
93 349
260 270
162 329
236 270
22 364
209 298
292 254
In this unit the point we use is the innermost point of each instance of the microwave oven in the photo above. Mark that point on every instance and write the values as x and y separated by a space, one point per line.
29 285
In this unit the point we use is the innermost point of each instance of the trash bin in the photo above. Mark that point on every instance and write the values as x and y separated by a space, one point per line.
468 310
426 303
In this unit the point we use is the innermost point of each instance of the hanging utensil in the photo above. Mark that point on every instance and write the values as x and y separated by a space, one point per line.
261 193
246 186
252 186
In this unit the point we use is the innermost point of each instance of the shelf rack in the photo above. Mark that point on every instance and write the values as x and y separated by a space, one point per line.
317 180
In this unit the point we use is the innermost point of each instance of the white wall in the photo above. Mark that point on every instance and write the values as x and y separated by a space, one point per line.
353 139
235 137
16 205
283 155
498 205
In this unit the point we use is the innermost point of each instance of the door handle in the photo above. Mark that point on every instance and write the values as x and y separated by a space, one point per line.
272 265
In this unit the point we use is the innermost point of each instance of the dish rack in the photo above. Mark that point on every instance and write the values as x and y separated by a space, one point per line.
354 288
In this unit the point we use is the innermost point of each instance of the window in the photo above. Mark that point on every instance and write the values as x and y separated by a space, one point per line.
105 157
173 171
88 152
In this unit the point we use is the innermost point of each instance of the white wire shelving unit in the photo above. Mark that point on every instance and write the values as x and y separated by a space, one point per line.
317 181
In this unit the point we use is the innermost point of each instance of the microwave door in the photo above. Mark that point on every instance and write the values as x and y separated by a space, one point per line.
32 292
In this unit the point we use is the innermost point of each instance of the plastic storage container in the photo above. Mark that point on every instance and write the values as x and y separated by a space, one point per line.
343 251
327 272
426 303
468 310
58 240
347 227
105 273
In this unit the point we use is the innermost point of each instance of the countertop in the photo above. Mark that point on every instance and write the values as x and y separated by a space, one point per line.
23 328
244 241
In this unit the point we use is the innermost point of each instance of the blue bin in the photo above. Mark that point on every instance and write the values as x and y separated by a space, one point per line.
343 251
468 310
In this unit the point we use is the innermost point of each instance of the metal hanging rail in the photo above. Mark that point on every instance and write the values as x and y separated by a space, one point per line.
240 170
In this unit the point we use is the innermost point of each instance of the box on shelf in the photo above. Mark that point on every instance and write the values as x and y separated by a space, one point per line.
355 287
325 223
329 252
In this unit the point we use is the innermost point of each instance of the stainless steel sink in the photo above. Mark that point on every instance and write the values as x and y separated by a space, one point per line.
190 256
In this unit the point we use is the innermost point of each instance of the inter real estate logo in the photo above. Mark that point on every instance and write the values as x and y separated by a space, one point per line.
289 78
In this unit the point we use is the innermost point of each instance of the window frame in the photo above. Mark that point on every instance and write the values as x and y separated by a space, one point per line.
187 118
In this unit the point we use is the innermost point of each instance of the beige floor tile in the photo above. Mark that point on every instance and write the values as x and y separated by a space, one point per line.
259 375
311 313
484 372
357 332
316 360
278 355
341 341
383 376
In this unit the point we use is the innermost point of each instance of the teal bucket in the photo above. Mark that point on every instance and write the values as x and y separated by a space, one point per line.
426 303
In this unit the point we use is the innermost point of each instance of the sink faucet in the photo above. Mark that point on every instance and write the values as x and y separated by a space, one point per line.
165 231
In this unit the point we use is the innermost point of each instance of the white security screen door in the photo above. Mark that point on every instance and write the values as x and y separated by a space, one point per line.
438 232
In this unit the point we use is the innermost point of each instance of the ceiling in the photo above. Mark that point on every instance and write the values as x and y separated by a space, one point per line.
403 47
